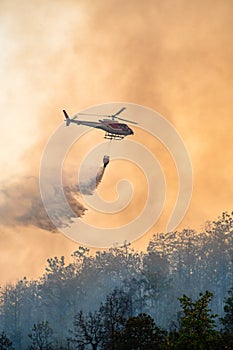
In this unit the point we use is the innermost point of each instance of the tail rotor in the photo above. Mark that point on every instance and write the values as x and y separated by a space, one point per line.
67 118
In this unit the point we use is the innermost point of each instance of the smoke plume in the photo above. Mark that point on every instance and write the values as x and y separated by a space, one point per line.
175 59
23 201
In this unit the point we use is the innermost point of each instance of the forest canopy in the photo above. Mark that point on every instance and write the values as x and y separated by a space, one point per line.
131 286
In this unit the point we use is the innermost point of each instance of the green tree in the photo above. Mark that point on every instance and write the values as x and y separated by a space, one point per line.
227 320
41 336
197 327
141 333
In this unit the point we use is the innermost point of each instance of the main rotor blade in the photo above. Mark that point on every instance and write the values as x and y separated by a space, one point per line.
104 115
127 120
117 113
97 115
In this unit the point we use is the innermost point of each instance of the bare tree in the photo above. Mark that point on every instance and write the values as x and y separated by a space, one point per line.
88 330
41 336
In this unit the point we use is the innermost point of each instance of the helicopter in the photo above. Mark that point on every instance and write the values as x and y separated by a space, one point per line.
113 129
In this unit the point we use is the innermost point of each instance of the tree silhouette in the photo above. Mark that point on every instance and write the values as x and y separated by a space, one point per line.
114 311
41 336
88 330
174 264
141 333
5 343
227 320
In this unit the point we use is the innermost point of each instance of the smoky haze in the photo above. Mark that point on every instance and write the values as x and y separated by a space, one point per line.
176 59
26 208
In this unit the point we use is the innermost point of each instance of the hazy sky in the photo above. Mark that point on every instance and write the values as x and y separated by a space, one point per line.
172 56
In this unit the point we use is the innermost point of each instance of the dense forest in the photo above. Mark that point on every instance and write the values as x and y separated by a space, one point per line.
176 295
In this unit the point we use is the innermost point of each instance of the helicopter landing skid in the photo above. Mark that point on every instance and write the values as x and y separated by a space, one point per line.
110 136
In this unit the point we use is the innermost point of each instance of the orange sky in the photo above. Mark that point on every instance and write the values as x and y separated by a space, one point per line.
172 56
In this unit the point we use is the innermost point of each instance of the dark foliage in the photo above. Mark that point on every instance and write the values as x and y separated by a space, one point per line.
41 336
174 264
5 343
141 333
197 326
227 320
